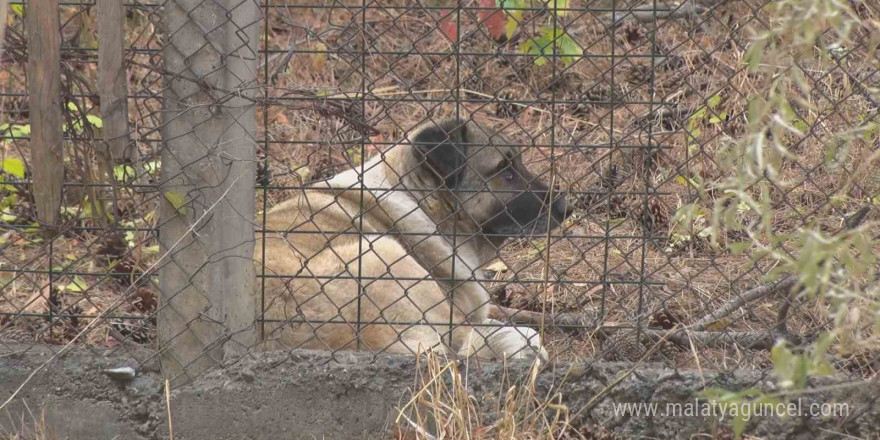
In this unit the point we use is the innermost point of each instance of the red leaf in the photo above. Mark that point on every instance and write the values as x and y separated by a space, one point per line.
448 25
492 18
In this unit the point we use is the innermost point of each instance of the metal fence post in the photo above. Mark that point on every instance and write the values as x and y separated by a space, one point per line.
208 171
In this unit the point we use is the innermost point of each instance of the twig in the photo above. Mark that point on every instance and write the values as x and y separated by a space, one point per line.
782 315
168 407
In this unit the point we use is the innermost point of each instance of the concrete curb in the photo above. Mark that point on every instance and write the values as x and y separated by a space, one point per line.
308 395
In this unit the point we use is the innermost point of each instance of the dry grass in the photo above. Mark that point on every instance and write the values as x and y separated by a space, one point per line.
34 429
442 407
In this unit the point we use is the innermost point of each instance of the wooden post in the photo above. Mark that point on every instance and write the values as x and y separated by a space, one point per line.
44 92
206 281
112 81
4 9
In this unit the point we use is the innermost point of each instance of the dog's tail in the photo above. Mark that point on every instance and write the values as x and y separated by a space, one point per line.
495 340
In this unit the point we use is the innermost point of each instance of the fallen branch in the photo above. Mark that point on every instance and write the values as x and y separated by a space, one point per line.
746 340
649 12
749 296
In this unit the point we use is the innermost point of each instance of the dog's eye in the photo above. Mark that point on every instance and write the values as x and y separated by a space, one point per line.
508 174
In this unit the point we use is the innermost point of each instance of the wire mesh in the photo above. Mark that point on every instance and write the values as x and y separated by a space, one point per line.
616 108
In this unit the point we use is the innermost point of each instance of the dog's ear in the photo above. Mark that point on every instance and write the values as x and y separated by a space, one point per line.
442 148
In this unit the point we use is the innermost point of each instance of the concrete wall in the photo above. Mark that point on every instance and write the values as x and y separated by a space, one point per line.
307 395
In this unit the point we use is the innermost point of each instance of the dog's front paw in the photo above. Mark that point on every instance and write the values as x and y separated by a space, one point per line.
495 340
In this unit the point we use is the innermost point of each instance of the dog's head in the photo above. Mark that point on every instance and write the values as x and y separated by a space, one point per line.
485 177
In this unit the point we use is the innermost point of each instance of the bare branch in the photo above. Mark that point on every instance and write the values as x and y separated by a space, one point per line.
750 296
649 12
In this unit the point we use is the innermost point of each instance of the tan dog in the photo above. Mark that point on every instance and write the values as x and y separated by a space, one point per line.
436 209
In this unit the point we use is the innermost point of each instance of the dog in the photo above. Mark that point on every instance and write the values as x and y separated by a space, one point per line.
387 256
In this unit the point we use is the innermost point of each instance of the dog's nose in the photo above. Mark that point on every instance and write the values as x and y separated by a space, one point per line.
562 208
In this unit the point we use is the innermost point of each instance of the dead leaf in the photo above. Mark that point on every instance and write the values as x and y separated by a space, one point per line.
281 119
493 19
448 25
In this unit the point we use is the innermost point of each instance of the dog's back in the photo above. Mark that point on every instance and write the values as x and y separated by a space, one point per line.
335 280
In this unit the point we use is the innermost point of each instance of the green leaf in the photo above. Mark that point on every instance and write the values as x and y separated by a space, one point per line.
16 130
569 48
549 42
92 120
511 26
538 247
739 247
508 4
9 201
721 117
95 120
800 125
713 101
685 181
21 130
177 200
13 166
753 54
354 155
18 10
756 111
123 173
77 285
152 167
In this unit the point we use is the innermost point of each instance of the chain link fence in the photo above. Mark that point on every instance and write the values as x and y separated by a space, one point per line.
568 209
